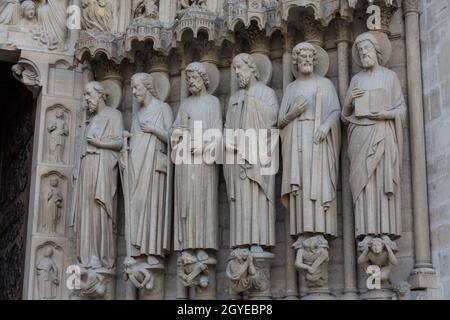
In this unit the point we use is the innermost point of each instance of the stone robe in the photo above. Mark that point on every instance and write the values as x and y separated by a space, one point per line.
148 161
52 210
196 185
310 171
95 17
52 18
96 193
252 195
375 152
47 279
58 131
9 12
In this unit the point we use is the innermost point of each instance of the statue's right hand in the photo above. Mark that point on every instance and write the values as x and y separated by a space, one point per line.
357 93
298 110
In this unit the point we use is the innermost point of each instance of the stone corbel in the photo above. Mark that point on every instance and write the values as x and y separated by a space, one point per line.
27 72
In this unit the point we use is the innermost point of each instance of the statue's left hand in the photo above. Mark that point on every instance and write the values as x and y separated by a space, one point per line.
147 128
321 133
382 115
95 142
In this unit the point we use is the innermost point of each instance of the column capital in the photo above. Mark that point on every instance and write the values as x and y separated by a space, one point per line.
312 30
158 62
343 33
410 6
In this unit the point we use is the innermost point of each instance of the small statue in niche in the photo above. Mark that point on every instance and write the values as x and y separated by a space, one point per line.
192 269
312 258
147 9
379 252
47 276
58 131
139 274
53 206
240 269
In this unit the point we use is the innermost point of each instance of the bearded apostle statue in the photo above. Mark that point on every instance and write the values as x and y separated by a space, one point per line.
96 187
374 110
309 120
197 135
252 113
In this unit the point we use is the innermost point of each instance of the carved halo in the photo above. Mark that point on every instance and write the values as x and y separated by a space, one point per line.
113 91
213 76
323 63
385 47
264 66
161 83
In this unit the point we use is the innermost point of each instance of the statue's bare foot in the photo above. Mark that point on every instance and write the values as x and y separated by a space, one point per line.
256 249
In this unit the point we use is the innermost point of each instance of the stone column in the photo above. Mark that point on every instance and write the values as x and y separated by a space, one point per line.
183 84
233 78
291 273
349 249
423 275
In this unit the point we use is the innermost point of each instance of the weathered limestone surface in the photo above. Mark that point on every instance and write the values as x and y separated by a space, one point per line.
435 45
118 39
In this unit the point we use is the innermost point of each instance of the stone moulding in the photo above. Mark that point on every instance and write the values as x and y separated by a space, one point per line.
265 17
154 31
95 43
268 16
324 10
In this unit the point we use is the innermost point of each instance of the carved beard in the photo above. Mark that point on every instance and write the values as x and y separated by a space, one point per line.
368 61
195 88
92 108
306 67
244 79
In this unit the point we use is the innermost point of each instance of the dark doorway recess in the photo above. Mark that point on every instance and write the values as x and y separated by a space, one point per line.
17 112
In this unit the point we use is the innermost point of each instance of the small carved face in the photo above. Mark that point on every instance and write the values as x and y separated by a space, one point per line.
367 54
129 262
54 183
92 98
306 61
59 114
29 12
195 82
139 91
243 72
48 252
101 3
376 246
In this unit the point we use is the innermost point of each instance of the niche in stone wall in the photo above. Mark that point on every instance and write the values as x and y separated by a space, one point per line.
61 80
58 135
53 204
48 272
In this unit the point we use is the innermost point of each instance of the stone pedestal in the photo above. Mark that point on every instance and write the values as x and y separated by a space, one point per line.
261 285
381 294
196 278
97 284
249 274
319 294
157 292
